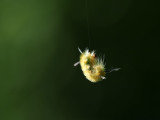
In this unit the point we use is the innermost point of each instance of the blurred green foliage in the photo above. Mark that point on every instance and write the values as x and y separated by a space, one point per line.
38 47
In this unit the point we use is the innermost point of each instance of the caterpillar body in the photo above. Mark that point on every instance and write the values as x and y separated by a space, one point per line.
93 68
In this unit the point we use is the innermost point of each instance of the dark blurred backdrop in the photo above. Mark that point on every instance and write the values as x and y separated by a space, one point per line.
38 47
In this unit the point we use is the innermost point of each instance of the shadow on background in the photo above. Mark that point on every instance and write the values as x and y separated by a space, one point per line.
38 46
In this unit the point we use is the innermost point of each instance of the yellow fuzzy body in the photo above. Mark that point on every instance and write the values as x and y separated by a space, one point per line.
91 66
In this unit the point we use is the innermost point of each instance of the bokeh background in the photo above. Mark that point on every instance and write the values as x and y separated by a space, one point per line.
38 47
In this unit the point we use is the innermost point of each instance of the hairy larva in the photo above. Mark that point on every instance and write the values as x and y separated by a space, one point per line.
93 68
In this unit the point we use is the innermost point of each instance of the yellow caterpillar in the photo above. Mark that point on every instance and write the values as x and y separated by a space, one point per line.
93 68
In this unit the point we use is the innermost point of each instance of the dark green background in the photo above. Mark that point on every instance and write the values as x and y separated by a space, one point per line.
38 47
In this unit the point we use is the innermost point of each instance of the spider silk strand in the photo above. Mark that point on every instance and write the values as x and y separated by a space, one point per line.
87 20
